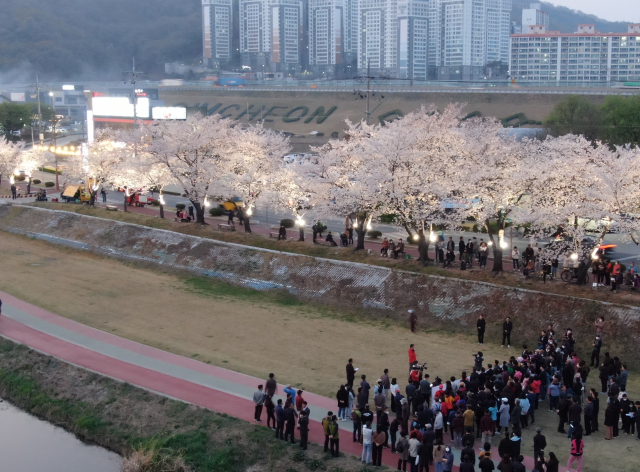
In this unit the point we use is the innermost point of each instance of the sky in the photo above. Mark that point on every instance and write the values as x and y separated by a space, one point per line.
612 10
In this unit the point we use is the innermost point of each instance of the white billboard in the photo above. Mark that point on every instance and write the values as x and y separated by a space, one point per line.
169 113
120 107
17 97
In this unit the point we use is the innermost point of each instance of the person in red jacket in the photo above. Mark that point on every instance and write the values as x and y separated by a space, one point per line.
413 357
577 448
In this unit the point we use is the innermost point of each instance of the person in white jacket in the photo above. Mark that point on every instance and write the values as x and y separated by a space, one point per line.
515 255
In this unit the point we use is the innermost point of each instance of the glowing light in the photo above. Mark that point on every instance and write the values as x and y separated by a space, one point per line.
249 212
300 222
161 198
415 237
504 245
12 180
594 253
490 243
206 202
574 256
369 225
432 237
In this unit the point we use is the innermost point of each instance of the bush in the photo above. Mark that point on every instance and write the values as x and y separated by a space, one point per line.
49 171
180 206
216 211
374 234
388 219
36 181
49 184
155 203
335 135
19 178
287 223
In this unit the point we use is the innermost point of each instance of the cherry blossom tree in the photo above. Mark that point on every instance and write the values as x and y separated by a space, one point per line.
581 187
490 181
253 163
9 157
102 164
194 152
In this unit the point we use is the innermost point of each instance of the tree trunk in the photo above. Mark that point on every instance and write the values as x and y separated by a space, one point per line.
29 185
92 198
199 212
408 230
497 250
247 225
125 201
301 234
161 211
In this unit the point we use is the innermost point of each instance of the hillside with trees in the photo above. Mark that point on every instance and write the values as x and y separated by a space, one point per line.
83 39
567 20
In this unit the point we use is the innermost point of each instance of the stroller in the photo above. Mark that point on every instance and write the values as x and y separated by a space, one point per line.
344 240
41 196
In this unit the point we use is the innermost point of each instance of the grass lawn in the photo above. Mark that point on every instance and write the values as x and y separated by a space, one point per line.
254 332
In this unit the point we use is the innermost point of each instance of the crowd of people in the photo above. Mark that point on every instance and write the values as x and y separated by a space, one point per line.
426 420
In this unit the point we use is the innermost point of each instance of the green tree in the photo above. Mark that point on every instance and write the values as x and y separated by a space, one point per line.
621 120
14 117
575 115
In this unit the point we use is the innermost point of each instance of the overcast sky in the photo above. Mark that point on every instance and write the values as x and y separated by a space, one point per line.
612 10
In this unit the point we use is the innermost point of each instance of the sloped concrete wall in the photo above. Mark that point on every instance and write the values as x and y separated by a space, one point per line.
438 301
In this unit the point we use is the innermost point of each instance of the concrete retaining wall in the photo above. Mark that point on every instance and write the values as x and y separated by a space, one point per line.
439 301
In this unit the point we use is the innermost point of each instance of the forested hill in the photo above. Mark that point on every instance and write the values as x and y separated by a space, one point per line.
567 20
70 38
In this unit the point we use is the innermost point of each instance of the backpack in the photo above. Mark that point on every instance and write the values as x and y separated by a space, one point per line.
400 446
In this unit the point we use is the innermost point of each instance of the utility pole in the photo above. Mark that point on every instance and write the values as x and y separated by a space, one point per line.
368 113
132 77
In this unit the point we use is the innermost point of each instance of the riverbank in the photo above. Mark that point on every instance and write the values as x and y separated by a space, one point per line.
161 431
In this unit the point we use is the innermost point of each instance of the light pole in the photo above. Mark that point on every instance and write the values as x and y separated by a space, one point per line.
54 121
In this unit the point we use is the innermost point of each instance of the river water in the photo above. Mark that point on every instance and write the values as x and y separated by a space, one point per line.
28 444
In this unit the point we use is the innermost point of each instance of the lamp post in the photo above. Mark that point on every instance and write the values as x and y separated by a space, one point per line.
54 121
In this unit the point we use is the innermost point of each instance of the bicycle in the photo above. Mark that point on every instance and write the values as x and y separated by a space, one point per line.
569 275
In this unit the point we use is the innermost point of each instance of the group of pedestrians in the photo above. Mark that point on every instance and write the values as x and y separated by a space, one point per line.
426 420
468 252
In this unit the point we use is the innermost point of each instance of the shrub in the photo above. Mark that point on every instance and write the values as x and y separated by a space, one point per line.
387 218
49 184
335 135
216 211
36 181
19 178
374 234
287 223
180 206
155 203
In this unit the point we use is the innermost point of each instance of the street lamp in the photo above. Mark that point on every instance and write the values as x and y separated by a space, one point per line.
54 121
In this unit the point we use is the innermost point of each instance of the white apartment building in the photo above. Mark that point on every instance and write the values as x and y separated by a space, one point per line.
327 33
392 37
534 16
217 31
586 56
465 35
413 40
271 34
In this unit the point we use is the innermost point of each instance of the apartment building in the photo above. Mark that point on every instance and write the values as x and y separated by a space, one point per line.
534 16
584 57
271 35
465 35
218 32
